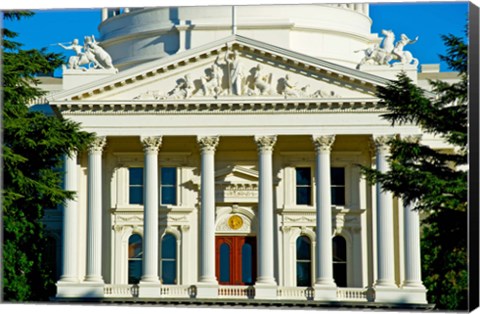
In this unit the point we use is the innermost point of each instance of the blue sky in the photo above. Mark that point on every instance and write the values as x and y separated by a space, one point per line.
426 20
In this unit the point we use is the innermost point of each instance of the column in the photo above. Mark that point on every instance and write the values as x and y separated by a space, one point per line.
412 283
325 287
208 285
70 229
70 220
94 211
149 283
385 243
265 286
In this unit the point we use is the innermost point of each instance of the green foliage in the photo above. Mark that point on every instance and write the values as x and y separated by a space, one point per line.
431 178
33 147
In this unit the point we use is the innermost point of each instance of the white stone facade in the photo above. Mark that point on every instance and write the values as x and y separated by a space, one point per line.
236 151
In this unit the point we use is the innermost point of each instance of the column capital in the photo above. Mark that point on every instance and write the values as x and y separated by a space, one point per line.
323 143
382 142
208 143
151 143
411 138
265 143
97 145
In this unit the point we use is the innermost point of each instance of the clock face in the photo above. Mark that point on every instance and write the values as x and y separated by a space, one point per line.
235 222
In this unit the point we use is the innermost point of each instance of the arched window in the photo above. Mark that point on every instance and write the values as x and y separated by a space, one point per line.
340 261
304 262
169 259
135 255
247 261
224 263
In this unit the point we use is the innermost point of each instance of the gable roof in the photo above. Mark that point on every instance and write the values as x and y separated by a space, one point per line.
158 67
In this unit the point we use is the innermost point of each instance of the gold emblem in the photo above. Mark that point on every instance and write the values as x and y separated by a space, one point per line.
235 222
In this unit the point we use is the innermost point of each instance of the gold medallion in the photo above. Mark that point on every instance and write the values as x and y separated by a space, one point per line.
235 222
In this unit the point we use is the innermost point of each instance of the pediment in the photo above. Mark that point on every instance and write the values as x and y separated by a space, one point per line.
235 175
235 68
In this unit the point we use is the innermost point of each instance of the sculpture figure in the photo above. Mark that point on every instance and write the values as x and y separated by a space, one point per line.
261 82
290 89
101 56
235 71
92 54
388 52
183 89
84 57
212 82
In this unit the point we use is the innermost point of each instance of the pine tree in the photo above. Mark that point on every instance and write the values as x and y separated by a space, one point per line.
436 181
33 147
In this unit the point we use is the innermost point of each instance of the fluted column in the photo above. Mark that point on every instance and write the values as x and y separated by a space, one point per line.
94 211
207 211
150 216
70 221
324 267
385 241
265 210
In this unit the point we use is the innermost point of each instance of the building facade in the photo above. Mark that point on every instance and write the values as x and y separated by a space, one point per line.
226 159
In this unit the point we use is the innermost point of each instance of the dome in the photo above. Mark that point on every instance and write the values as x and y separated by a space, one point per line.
136 36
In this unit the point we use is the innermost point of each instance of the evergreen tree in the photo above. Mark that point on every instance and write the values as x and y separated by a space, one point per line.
33 147
436 181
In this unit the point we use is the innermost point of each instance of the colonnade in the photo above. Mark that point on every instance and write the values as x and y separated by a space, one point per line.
266 285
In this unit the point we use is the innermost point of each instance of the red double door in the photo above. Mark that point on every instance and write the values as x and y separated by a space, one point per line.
236 260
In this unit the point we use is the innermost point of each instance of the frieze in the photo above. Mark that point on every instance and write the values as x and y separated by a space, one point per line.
228 76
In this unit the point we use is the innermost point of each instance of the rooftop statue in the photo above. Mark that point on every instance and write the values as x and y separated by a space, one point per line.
389 51
90 55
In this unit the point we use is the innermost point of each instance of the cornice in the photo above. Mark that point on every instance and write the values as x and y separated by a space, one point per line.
218 106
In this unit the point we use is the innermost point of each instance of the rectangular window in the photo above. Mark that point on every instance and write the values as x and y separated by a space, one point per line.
338 185
135 186
304 186
168 186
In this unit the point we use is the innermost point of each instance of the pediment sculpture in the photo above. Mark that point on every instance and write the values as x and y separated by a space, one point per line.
228 76
389 52
90 56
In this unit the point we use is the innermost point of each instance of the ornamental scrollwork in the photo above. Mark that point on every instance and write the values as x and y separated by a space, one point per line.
97 145
151 143
265 143
323 143
208 143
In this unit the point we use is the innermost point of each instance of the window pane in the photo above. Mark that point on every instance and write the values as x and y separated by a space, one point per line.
169 247
169 272
169 176
337 176
303 248
225 263
169 195
134 271
247 276
338 195
339 247
135 176
136 195
135 246
303 274
304 195
340 274
303 176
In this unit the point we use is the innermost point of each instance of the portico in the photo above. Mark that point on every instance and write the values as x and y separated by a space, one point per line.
194 192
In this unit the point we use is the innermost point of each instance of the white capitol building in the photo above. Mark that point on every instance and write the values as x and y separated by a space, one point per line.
225 166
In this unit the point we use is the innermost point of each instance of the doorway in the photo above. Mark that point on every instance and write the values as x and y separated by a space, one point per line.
236 260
